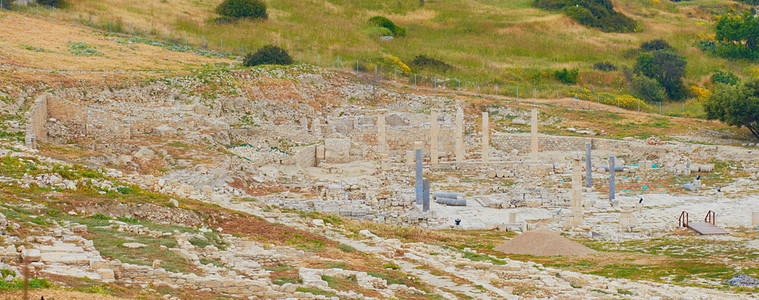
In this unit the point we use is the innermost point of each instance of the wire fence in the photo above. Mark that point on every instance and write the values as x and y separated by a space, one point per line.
368 69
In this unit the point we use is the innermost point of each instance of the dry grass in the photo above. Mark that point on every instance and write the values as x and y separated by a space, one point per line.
19 34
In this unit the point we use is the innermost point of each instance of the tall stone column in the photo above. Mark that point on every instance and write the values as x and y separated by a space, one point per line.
485 137
418 180
434 132
459 136
576 192
588 168
382 136
611 178
534 136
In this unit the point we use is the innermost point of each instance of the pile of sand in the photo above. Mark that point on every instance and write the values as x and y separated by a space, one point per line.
543 243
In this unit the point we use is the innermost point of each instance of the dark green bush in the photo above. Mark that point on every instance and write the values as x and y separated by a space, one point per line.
236 9
647 89
656 44
8 4
593 13
386 23
604 66
53 3
580 14
567 76
425 62
725 78
268 55
667 67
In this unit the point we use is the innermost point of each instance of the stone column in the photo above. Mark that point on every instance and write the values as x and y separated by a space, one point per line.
425 195
418 184
459 136
434 132
485 137
611 178
588 168
534 136
382 136
576 192
304 123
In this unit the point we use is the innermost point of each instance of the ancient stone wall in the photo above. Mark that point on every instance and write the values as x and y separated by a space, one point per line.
36 121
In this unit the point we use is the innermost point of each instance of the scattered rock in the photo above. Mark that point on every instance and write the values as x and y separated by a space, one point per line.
134 245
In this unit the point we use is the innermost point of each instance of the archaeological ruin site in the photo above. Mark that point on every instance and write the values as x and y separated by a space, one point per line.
147 170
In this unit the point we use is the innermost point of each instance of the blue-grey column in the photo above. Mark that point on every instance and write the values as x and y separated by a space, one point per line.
611 178
418 184
426 195
588 166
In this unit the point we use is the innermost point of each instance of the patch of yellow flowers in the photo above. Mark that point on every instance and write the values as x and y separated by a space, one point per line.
701 93
396 62
624 101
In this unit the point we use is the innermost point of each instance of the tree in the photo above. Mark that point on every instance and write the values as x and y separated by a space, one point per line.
735 105
268 55
665 66
647 89
236 9
741 30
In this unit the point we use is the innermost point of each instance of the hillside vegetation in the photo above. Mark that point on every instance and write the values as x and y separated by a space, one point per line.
509 42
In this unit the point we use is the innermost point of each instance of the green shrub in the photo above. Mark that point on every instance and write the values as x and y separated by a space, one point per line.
100 217
655 44
53 3
647 89
593 13
380 21
8 4
567 76
268 55
604 66
580 14
83 49
724 77
128 220
236 9
346 248
422 61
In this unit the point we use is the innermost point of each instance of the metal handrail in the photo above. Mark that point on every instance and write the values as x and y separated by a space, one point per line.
711 217
683 220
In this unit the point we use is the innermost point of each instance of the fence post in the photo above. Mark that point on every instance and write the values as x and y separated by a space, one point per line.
434 81
300 59
496 90
356 67
638 105
185 39
475 91
90 17
535 94
75 15
38 11
617 104
222 46
395 77
660 107
517 94
242 51
204 42
459 81
110 23
53 13
415 81
167 36
557 98
147 33
683 109
598 101
318 60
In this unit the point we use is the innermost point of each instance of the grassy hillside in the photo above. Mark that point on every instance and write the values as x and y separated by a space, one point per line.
505 42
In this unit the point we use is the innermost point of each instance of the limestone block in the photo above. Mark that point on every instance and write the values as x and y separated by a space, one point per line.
337 150
306 157
106 274
79 229
31 255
